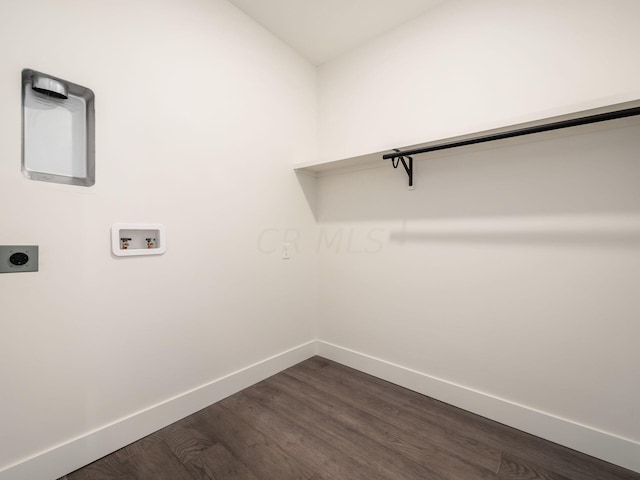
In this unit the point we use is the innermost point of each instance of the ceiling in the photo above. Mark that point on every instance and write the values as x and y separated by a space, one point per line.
323 29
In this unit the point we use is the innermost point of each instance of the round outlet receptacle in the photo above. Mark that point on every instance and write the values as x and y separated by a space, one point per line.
19 259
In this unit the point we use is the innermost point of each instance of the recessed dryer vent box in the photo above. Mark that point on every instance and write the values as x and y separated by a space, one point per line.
58 130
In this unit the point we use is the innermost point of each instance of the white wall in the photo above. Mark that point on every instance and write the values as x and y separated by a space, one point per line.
513 269
468 66
509 271
199 115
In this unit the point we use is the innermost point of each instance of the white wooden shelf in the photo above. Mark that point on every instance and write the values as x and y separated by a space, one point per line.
320 168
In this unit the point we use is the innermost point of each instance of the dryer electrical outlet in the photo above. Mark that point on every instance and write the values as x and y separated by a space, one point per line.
18 258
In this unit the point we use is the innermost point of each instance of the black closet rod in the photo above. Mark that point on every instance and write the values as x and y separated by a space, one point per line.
600 117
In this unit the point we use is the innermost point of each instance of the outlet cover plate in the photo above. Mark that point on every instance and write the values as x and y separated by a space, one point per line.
18 258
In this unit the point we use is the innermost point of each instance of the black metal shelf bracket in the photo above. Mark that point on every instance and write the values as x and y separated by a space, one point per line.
398 156
408 167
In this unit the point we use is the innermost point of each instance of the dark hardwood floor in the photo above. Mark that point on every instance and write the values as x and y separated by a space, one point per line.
323 421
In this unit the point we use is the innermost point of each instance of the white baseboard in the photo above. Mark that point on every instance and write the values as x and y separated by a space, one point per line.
75 453
71 455
594 442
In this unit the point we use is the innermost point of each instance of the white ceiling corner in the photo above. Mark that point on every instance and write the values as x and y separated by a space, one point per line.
324 29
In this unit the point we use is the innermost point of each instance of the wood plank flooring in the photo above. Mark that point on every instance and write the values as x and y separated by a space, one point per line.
323 421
